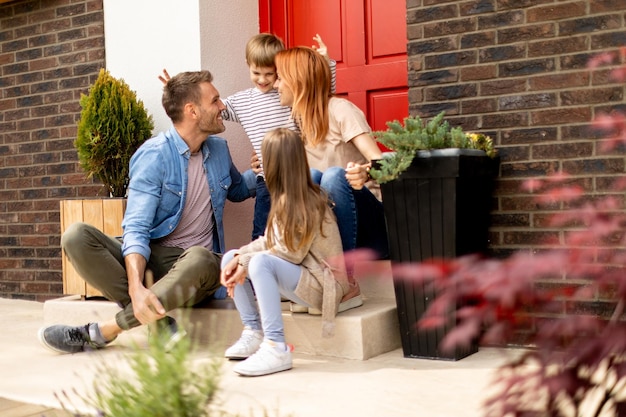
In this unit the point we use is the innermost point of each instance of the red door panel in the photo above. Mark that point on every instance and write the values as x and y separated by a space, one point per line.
367 38
387 37
384 107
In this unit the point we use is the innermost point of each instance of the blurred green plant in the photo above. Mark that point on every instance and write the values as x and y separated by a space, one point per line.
159 381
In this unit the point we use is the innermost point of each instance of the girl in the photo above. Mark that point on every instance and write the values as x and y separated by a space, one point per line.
292 259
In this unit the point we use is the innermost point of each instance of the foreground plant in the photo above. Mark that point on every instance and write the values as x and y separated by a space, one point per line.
156 382
569 301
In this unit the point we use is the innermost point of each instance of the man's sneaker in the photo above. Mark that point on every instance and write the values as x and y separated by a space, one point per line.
352 299
247 344
267 360
174 334
71 339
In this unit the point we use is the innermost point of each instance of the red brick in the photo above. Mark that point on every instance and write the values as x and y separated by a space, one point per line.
481 105
558 46
499 87
592 96
530 237
559 81
478 72
563 150
560 116
526 33
556 11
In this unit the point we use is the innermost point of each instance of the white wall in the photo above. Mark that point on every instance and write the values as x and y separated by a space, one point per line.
144 36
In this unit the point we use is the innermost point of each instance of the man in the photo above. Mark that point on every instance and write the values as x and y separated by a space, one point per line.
179 182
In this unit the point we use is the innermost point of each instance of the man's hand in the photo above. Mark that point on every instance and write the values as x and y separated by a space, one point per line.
165 77
146 306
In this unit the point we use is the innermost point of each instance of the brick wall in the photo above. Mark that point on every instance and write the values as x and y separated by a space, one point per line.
50 52
516 69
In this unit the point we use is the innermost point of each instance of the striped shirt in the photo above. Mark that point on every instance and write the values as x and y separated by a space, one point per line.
258 112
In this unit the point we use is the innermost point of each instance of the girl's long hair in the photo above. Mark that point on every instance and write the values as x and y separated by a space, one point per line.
307 74
298 204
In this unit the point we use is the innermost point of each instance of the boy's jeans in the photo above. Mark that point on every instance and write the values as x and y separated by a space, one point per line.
262 205
182 277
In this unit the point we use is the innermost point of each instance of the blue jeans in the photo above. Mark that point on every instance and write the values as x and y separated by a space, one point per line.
262 205
360 215
259 308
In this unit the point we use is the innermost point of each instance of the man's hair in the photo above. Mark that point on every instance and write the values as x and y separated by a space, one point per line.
182 89
262 48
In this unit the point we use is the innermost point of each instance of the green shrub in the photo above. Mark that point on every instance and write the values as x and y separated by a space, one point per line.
416 135
113 124
154 382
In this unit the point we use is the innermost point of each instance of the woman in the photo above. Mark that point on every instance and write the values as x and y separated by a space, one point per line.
339 148
293 259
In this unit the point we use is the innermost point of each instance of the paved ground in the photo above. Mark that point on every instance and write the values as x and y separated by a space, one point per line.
387 385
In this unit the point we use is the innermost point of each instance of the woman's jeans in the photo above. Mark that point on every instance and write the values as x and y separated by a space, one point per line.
258 298
181 277
359 214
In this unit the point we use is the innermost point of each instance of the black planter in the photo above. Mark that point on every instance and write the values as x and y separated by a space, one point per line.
438 208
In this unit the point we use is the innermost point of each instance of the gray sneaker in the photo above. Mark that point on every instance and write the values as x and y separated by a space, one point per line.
72 339
173 332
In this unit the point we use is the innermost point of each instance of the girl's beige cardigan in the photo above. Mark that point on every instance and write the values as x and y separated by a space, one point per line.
323 279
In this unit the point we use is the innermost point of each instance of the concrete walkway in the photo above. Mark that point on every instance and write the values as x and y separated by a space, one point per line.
386 385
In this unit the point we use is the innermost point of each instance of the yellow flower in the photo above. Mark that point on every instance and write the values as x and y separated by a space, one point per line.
482 142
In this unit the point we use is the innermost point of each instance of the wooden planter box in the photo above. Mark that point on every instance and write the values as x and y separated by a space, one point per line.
438 208
106 215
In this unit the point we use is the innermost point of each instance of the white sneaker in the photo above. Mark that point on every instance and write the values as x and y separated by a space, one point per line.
267 360
247 344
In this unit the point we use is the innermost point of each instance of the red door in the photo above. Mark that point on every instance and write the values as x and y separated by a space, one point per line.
367 38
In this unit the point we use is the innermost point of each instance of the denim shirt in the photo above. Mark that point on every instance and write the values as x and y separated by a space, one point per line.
158 187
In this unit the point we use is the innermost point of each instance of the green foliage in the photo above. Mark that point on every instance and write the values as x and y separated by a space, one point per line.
416 135
156 382
163 384
113 124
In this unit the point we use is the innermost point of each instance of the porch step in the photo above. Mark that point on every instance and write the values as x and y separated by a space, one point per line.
360 333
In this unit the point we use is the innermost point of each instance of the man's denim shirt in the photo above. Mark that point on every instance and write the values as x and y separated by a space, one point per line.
158 187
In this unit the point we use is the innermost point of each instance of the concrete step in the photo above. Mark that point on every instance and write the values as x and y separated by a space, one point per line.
360 333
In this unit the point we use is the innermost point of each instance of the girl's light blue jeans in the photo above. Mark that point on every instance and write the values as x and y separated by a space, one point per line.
269 278
359 214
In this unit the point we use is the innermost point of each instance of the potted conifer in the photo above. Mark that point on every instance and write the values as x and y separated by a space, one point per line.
436 185
113 124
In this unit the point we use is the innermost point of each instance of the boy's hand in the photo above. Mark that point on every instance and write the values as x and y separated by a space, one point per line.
321 48
165 77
